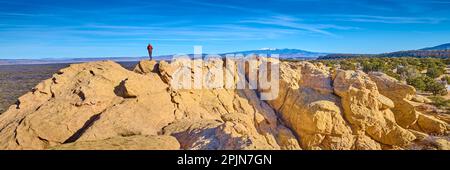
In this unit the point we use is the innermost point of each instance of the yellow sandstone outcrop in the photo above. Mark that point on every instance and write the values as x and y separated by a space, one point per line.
405 113
137 142
101 105
367 110
307 105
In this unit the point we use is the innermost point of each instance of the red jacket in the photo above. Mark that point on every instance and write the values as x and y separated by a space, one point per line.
149 47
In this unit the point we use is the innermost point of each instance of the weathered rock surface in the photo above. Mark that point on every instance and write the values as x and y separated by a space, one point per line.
240 119
399 93
125 143
405 113
307 105
421 99
367 110
91 101
101 105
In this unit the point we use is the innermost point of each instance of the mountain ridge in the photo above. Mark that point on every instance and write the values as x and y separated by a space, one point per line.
440 51
284 53
439 47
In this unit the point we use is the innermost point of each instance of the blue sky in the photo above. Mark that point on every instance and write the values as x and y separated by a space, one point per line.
87 28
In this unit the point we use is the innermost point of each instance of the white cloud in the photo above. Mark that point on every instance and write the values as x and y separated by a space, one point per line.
388 19
297 23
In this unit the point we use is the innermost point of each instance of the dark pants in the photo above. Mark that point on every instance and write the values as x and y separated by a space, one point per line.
150 54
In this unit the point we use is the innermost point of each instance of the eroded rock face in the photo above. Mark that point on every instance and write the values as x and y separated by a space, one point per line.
405 113
307 105
240 119
399 93
367 110
101 105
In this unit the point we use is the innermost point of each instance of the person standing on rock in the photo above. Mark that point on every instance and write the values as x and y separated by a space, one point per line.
150 51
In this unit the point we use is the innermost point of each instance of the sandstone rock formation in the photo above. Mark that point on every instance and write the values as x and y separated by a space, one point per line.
101 105
136 142
307 105
405 113
421 99
369 111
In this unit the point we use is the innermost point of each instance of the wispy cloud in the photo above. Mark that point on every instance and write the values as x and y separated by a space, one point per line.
102 33
230 7
388 19
27 14
295 23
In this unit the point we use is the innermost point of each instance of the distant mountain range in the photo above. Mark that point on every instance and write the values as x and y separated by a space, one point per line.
439 47
440 51
283 54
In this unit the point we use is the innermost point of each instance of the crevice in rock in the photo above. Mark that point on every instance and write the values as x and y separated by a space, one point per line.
81 95
221 103
128 134
39 107
52 93
342 113
88 124
45 141
17 141
278 110
83 129
15 132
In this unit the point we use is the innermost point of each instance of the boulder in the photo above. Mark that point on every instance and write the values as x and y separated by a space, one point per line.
421 99
146 66
431 125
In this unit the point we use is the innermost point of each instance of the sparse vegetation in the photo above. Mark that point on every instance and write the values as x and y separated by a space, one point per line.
436 88
446 79
346 65
435 71
422 73
418 82
440 102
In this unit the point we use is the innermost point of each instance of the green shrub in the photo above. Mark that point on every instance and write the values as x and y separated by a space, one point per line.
435 71
436 88
373 65
392 74
417 82
428 84
440 102
347 65
446 79
408 72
